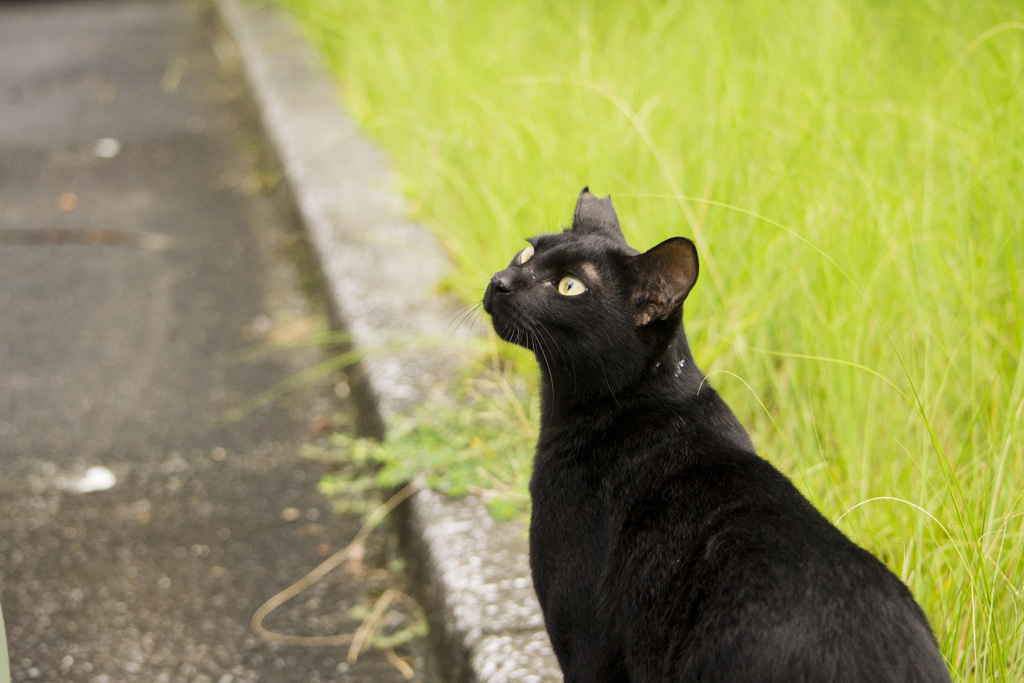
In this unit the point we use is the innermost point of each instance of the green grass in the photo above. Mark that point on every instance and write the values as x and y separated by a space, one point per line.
853 175
479 440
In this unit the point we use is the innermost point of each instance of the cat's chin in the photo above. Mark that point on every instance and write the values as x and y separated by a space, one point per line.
505 326
514 335
513 332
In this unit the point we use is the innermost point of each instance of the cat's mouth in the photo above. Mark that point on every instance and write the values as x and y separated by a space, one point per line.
512 330
496 289
489 296
507 324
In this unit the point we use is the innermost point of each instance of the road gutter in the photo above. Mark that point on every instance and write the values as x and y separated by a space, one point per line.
382 273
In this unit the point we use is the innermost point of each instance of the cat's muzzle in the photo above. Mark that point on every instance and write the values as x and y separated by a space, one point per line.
500 284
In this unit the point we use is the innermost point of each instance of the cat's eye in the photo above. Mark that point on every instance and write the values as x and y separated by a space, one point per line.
570 286
525 255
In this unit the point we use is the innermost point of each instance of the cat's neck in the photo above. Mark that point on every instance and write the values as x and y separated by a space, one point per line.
671 384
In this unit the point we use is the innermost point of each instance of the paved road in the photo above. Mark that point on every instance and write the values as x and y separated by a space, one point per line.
139 264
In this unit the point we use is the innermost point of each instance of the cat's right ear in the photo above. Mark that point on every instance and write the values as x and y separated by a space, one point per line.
596 215
665 274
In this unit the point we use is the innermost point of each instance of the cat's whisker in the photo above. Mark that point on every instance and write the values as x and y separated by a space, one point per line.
564 360
608 385
466 312
547 363
470 312
476 318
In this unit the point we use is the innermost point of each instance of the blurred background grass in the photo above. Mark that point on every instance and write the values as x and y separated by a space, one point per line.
853 175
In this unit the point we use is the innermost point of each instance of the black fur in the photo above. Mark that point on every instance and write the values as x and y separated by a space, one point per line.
662 547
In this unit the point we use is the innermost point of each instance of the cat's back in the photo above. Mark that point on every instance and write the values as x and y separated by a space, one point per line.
723 571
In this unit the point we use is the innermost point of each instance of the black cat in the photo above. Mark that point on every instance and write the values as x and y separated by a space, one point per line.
662 547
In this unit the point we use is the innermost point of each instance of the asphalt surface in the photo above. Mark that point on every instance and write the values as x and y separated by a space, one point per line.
145 272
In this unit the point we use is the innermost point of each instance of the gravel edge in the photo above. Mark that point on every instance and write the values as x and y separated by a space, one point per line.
382 273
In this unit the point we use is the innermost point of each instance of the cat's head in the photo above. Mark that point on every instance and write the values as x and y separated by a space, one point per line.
593 309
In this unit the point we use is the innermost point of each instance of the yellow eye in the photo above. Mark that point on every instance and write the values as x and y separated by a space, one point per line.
570 286
525 255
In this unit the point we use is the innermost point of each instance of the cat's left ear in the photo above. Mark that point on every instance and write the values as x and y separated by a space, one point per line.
595 215
665 274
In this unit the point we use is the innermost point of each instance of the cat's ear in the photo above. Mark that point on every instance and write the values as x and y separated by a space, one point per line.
595 215
664 276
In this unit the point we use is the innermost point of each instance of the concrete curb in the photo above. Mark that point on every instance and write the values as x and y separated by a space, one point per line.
382 273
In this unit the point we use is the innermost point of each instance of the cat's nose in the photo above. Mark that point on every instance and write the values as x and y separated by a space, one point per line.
502 282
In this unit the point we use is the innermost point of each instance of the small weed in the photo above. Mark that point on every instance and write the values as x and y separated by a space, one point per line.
477 441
